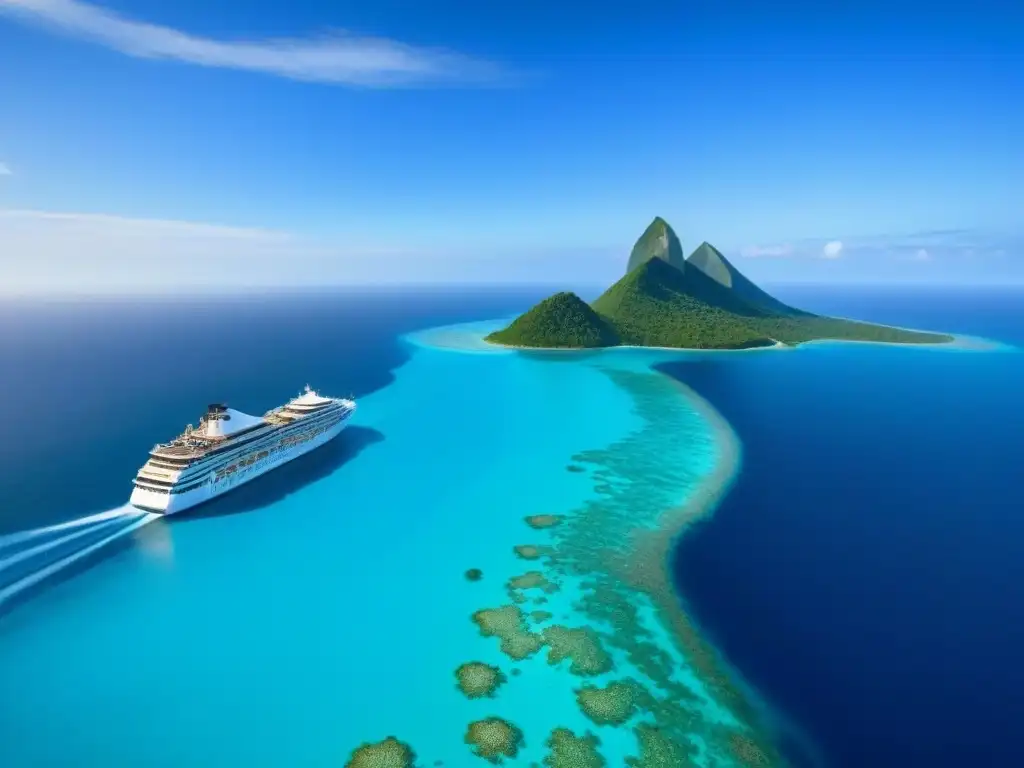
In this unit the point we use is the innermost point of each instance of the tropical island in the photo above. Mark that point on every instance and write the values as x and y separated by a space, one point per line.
698 302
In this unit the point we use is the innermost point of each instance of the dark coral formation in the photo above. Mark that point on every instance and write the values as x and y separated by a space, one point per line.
660 750
474 574
494 739
509 624
582 646
567 750
532 551
543 521
533 580
476 679
576 468
612 705
539 616
746 751
390 753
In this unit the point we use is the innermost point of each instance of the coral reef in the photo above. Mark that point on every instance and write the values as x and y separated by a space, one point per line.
532 551
533 580
509 624
582 646
612 705
474 574
494 739
567 750
390 753
746 751
659 750
476 679
543 521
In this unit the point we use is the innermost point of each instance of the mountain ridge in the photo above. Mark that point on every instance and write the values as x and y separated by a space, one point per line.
658 241
701 302
711 262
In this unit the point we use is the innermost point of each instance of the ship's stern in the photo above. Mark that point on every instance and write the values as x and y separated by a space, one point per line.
151 501
168 503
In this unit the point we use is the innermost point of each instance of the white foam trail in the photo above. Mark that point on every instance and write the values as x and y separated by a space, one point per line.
39 549
32 579
16 538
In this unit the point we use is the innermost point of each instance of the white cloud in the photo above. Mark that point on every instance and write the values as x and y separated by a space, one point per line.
832 250
339 58
771 251
922 255
5 170
101 223
45 252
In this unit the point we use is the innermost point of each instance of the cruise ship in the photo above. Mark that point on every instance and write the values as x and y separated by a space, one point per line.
230 448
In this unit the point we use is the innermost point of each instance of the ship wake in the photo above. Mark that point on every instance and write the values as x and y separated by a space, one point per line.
28 558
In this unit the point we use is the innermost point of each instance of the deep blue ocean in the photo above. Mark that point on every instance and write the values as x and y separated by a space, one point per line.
864 574
98 381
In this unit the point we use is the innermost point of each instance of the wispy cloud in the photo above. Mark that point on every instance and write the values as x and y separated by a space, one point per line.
767 251
59 252
965 245
339 58
101 223
832 249
5 170
43 251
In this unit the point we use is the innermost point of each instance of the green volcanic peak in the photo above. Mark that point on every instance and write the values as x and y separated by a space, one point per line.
663 301
712 263
562 320
658 241
656 305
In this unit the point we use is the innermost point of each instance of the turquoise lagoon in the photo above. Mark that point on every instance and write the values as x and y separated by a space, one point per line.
293 633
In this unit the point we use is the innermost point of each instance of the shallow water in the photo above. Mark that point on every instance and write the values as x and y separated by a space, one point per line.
338 613
325 605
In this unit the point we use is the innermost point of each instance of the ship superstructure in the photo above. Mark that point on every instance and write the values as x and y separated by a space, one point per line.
229 448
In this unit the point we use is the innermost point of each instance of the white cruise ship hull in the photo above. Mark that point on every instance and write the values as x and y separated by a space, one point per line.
172 503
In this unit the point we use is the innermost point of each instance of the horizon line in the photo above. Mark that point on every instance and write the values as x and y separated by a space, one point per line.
212 291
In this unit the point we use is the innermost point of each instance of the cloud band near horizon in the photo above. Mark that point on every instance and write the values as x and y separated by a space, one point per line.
44 252
339 58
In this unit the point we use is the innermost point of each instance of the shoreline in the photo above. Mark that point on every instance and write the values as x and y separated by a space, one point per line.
473 331
761 348
959 342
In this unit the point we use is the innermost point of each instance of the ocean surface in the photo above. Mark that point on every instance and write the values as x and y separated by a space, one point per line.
854 558
866 571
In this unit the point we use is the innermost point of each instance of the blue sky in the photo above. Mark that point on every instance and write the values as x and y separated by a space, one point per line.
147 144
